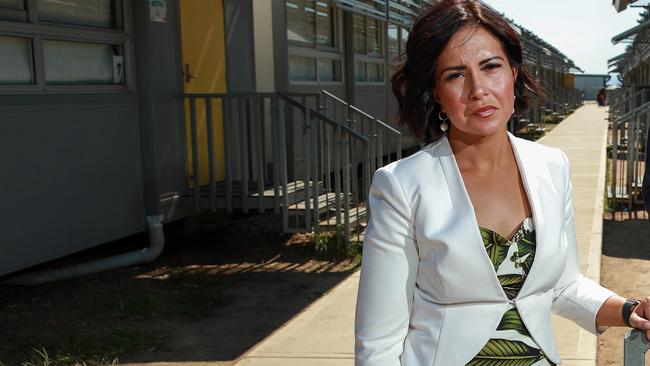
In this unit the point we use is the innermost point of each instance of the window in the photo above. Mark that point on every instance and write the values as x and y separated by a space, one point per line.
12 4
13 10
372 72
17 61
302 68
82 44
310 22
369 49
329 70
305 66
92 13
313 53
69 63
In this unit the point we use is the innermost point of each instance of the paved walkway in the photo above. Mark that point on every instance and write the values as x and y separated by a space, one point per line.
323 334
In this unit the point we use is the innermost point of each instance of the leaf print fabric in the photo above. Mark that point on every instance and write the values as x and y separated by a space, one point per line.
511 343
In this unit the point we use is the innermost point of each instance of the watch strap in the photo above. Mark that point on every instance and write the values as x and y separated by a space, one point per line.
628 307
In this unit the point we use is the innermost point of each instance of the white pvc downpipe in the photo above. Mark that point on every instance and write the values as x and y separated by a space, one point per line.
156 245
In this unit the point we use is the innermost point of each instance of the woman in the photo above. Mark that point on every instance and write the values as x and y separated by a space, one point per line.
471 242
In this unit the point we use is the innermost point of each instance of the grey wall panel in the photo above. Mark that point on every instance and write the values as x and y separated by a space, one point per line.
372 99
71 177
240 55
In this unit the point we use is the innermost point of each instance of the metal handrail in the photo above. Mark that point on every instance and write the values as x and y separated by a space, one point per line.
636 111
361 112
322 116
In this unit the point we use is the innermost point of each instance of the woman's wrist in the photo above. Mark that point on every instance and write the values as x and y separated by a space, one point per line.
628 309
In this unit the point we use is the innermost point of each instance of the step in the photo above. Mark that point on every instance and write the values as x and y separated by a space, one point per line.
360 217
326 201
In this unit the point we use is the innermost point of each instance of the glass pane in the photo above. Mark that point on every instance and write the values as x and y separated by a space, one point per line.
301 21
12 4
302 68
82 63
16 61
360 71
359 34
393 42
324 23
93 13
376 73
404 38
374 38
329 70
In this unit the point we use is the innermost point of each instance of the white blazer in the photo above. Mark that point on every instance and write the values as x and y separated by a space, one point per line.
428 294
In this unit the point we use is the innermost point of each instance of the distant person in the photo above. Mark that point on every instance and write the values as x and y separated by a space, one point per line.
471 241
600 98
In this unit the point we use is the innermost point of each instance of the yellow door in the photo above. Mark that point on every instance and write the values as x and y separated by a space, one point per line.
204 71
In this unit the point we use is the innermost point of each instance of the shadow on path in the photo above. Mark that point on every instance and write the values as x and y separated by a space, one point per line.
210 297
627 238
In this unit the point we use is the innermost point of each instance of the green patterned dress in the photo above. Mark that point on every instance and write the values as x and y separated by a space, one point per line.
511 344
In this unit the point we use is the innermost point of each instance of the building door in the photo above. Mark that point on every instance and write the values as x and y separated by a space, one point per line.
204 71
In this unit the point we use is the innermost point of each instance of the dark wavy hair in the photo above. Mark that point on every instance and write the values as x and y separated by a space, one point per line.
413 82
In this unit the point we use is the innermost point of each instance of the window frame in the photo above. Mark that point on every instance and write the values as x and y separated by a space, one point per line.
372 58
315 44
316 55
38 31
318 51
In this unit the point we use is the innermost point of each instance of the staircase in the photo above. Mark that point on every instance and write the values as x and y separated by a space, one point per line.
307 157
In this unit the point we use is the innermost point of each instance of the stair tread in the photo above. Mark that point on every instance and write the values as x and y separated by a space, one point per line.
325 200
353 212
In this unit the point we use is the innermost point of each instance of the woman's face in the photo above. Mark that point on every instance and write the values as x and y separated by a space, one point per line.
475 83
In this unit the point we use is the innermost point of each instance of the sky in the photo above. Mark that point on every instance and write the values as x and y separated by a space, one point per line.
581 29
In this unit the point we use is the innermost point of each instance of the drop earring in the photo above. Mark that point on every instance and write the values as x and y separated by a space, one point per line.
444 126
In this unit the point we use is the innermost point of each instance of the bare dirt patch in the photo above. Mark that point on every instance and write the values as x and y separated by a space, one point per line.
209 297
625 269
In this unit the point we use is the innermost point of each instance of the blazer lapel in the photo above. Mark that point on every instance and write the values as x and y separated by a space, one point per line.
465 215
528 170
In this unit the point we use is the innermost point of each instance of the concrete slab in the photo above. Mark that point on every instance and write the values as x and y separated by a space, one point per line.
323 334
583 137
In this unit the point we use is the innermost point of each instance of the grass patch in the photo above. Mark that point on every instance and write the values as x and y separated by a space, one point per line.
332 245
84 349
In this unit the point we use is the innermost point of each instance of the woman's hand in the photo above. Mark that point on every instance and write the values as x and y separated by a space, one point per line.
639 318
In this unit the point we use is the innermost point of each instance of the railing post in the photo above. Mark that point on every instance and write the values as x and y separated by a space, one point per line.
282 151
227 109
306 161
275 151
614 165
211 163
346 189
314 175
631 142
259 148
195 155
337 172
244 117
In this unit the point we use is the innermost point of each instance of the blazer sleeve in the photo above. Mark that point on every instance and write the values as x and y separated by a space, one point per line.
576 297
388 269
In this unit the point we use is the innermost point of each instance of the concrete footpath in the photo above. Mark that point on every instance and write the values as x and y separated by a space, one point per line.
323 334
